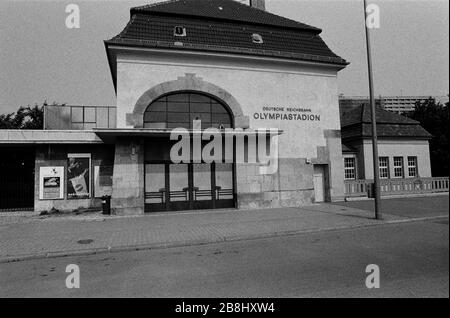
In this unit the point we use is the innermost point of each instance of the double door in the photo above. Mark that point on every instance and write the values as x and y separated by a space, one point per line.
193 186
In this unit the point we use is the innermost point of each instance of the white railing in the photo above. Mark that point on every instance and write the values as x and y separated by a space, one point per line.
361 188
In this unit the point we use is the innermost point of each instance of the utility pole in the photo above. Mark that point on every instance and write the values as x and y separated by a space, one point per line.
376 169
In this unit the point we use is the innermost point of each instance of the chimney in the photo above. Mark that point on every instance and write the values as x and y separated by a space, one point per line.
258 4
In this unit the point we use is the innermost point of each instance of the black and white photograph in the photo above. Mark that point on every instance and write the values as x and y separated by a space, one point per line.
224 156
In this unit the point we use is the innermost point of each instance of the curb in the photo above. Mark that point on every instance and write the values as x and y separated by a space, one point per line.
150 246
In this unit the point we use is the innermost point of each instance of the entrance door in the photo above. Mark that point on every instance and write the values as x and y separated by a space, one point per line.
319 183
202 186
17 178
224 194
174 187
178 188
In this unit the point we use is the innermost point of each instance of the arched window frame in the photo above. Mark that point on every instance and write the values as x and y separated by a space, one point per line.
173 110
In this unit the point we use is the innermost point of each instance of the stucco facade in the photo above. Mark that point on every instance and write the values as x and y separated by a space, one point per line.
251 87
399 148
392 148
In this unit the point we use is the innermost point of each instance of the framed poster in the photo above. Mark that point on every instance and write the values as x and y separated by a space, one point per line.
51 180
102 181
78 176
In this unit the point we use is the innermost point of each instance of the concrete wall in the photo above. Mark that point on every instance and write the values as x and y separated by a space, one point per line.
398 148
56 155
128 196
256 83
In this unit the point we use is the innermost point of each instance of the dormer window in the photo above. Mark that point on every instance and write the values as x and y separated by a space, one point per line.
179 31
257 38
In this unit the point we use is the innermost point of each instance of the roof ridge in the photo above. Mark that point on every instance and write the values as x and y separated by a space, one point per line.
150 5
289 23
394 116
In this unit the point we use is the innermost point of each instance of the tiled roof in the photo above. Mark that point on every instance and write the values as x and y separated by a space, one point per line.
356 123
229 30
363 114
221 10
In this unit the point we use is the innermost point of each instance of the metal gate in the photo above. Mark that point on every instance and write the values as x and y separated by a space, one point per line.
174 187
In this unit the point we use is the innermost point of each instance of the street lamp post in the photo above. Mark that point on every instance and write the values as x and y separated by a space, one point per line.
376 170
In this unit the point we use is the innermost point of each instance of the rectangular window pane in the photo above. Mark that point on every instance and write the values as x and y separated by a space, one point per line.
398 167
177 117
197 98
77 114
412 167
102 117
155 183
158 106
224 181
221 118
349 166
155 117
217 125
384 167
178 98
178 107
201 116
202 182
112 117
217 108
89 114
179 182
201 108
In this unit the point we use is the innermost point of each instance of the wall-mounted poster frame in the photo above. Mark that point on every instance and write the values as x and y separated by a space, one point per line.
79 176
51 183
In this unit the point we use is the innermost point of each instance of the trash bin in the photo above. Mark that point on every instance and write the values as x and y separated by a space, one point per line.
371 190
106 204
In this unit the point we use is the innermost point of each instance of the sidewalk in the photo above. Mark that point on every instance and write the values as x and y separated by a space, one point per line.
34 237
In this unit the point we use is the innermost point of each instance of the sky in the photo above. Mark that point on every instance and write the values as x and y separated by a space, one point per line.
41 59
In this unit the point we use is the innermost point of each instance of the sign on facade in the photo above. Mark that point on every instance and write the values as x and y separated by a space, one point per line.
51 180
78 176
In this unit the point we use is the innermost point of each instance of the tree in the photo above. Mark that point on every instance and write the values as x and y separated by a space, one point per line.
434 117
25 118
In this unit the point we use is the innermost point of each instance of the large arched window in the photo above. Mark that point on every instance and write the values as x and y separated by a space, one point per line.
179 110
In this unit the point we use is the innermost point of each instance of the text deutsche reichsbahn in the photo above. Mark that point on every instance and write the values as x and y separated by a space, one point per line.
278 116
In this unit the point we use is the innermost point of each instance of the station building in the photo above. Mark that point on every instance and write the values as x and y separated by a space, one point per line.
403 145
196 64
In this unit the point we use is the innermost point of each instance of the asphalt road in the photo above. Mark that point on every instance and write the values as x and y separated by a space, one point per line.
413 259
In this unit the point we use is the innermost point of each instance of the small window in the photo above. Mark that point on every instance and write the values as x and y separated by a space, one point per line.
412 167
350 168
179 31
398 167
257 38
384 167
